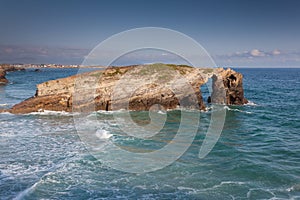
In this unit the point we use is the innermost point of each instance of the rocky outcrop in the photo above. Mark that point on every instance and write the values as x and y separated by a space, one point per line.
228 88
10 68
7 68
3 80
148 87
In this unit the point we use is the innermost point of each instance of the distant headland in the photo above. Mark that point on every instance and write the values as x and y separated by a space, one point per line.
20 67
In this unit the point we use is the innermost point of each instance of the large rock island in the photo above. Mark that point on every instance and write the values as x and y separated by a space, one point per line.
145 87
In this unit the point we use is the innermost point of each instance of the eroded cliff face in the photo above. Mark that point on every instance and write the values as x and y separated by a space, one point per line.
228 88
147 87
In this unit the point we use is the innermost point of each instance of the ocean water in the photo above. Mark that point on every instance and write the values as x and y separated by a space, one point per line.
257 156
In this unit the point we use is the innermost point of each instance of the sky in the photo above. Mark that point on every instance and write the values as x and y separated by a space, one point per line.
257 33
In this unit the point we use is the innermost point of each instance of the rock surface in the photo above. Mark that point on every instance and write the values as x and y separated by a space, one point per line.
147 87
7 68
10 68
3 80
228 88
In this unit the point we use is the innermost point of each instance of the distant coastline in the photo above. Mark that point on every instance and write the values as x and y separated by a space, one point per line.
40 66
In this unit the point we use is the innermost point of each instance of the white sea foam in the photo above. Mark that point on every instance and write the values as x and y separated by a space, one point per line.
236 110
30 189
103 134
294 188
191 190
3 104
161 112
22 194
111 111
228 183
233 182
50 112
6 113
251 103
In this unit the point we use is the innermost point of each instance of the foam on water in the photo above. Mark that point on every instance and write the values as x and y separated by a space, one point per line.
161 112
50 112
103 134
250 103
110 112
257 155
6 113
237 110
294 188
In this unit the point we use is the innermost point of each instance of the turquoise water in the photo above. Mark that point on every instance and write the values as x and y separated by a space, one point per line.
256 157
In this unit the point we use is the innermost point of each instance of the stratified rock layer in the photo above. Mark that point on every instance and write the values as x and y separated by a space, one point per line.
147 87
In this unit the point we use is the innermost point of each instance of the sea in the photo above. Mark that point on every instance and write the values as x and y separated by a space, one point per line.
257 156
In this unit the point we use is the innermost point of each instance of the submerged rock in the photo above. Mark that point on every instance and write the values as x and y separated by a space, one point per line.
147 87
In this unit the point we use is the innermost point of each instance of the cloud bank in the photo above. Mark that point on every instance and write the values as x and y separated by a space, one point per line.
37 54
70 55
260 58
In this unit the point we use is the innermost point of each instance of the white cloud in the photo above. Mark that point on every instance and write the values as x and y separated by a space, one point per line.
260 57
257 53
276 52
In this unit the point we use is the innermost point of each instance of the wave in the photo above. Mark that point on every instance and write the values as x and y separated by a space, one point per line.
109 112
32 188
213 108
55 113
191 190
221 184
161 112
251 103
294 188
64 113
103 134
236 110
6 113
27 191
228 183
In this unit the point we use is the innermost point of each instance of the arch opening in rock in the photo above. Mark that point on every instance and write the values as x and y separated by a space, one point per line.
206 90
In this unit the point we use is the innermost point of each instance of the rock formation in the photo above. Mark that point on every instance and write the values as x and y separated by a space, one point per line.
10 68
3 80
147 87
228 88
7 68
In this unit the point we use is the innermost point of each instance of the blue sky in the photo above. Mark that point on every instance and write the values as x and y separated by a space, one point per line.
234 32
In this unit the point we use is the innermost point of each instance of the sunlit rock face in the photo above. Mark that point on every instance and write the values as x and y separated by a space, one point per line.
146 87
228 87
